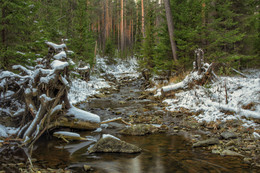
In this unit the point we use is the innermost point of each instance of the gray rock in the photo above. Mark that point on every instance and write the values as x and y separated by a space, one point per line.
228 135
207 142
112 145
230 153
142 129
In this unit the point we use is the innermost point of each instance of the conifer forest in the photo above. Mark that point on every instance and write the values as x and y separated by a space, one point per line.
129 86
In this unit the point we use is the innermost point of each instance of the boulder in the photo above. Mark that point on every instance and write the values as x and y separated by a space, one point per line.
205 143
111 144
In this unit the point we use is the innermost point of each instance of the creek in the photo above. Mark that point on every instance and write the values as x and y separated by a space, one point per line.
161 152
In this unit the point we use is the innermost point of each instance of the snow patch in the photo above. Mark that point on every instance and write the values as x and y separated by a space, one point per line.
109 136
3 131
60 55
59 65
83 115
64 133
80 90
56 46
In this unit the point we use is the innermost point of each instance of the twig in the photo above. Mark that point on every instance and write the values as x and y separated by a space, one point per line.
242 74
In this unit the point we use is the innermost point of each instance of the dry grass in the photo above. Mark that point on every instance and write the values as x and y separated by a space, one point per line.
179 78
175 79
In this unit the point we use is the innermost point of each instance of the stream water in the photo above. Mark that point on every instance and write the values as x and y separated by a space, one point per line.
161 152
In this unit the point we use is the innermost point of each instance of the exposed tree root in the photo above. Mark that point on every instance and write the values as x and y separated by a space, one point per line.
44 95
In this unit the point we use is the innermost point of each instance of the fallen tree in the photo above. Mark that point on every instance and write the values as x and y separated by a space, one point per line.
201 74
42 94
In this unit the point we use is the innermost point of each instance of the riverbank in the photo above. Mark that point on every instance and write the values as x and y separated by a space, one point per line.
201 114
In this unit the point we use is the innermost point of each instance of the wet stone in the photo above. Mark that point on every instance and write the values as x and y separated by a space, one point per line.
206 143
230 153
112 145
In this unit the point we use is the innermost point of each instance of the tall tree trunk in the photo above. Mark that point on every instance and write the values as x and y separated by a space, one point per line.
104 27
170 28
142 6
122 25
107 20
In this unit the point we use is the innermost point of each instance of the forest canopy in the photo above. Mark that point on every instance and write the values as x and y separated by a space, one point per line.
227 31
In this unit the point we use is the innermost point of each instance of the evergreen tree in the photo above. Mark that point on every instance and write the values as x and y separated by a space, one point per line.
82 41
18 31
223 31
148 46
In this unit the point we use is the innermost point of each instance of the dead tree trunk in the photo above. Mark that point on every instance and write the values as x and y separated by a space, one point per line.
199 59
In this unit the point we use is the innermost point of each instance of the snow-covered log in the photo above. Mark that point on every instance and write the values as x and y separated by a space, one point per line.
202 73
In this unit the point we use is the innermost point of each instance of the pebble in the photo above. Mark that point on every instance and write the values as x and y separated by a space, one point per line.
215 151
87 168
230 143
251 147
247 160
197 136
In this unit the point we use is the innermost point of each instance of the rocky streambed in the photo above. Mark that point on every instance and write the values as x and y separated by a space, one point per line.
170 141
173 142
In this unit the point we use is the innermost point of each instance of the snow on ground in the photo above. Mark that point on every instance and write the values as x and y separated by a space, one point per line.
243 96
80 90
121 68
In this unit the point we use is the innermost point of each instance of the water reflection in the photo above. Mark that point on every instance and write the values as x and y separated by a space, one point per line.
161 153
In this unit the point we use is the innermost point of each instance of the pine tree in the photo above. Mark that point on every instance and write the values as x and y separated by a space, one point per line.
18 30
82 41
148 45
223 31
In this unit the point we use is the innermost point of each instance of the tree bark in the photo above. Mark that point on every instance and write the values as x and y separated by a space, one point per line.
142 6
122 25
171 29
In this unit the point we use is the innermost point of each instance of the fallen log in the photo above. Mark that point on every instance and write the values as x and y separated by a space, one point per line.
202 73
